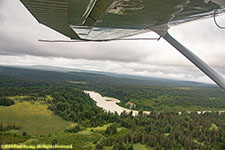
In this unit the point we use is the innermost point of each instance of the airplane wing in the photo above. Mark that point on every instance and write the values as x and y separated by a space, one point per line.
99 20
53 14
113 19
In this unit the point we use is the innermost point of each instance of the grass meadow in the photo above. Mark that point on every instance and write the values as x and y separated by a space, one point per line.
34 118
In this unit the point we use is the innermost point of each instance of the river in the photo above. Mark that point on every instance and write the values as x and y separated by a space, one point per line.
109 104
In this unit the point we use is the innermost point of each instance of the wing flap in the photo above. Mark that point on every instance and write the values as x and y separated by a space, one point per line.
52 13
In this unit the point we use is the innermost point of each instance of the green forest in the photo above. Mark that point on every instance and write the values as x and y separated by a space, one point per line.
47 107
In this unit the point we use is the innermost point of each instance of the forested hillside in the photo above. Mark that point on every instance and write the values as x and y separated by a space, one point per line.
44 107
95 78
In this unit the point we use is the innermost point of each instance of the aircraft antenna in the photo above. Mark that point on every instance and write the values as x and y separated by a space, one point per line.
214 18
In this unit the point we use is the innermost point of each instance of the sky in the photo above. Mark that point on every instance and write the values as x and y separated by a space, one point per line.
19 45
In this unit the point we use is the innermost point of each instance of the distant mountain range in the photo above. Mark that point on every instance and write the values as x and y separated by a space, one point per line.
60 73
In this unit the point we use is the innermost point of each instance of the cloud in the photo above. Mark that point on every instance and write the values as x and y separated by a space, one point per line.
2 17
2 3
172 72
19 44
19 36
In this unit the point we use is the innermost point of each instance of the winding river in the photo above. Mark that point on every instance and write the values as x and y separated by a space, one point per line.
109 104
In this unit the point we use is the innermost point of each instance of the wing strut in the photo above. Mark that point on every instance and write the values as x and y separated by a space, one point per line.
210 72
